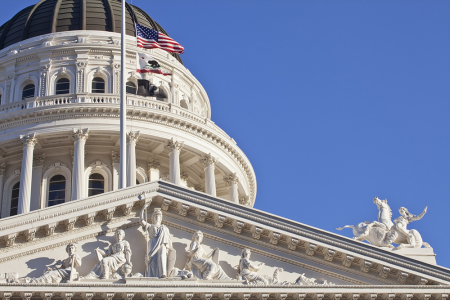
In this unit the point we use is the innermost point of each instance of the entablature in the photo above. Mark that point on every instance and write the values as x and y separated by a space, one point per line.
229 219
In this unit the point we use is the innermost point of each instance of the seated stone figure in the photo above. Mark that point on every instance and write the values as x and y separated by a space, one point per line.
248 271
61 271
202 265
115 260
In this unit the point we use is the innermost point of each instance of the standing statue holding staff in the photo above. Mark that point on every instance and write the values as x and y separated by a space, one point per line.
160 257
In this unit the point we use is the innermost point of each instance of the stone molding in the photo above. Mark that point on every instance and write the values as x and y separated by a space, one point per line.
226 212
212 134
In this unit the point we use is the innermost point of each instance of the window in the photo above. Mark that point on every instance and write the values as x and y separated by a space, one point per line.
96 184
98 85
57 190
14 199
62 86
0 99
131 88
28 91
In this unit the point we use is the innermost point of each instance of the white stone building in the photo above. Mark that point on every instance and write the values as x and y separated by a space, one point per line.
59 143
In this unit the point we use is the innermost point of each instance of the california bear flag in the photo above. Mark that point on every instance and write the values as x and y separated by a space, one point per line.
147 64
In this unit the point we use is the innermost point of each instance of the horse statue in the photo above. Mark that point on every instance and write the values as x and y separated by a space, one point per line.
384 232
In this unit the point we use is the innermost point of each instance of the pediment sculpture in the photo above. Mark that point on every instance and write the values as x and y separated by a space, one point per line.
202 265
114 262
160 258
384 232
248 271
61 271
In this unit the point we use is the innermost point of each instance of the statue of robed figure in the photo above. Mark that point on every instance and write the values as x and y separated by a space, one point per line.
160 258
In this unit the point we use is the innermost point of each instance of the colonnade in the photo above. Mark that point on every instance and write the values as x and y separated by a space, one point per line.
80 137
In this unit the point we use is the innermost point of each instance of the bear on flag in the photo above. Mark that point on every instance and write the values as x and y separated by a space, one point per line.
147 64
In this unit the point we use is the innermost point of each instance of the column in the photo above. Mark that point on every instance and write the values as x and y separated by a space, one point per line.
36 181
209 162
28 141
115 158
153 169
174 148
232 181
79 137
132 138
2 176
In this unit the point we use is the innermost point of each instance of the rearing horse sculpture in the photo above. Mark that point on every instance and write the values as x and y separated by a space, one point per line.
384 232
384 220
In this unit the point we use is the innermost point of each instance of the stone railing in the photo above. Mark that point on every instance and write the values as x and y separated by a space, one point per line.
133 101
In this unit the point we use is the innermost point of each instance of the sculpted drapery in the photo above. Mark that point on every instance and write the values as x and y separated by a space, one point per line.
61 271
112 260
160 257
202 265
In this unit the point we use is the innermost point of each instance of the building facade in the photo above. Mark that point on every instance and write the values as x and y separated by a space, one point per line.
185 226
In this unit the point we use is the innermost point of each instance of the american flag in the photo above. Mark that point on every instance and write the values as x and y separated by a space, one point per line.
149 38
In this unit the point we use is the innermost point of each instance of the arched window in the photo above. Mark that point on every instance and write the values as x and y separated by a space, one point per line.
131 88
57 190
14 199
98 85
62 86
96 184
28 91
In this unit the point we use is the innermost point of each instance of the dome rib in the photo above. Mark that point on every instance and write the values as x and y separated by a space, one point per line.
27 23
50 16
112 21
9 24
55 15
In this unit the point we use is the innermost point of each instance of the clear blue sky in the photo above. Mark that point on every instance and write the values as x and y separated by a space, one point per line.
334 102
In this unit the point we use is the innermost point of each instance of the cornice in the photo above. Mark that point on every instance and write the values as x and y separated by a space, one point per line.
232 217
145 114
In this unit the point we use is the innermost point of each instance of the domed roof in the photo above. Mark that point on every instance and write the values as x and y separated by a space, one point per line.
48 16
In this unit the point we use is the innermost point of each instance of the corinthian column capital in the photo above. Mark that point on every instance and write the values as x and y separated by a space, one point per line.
38 160
173 145
231 179
133 136
208 160
78 134
153 164
29 140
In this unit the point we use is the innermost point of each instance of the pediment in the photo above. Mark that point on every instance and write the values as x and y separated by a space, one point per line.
32 241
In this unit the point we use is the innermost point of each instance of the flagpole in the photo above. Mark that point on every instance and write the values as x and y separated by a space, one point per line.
123 105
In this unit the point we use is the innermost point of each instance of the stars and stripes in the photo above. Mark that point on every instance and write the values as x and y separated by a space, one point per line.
149 38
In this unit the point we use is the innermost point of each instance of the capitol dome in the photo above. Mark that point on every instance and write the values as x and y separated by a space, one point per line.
50 16
59 112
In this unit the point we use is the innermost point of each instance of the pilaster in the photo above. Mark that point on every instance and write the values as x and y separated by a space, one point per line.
36 181
153 169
